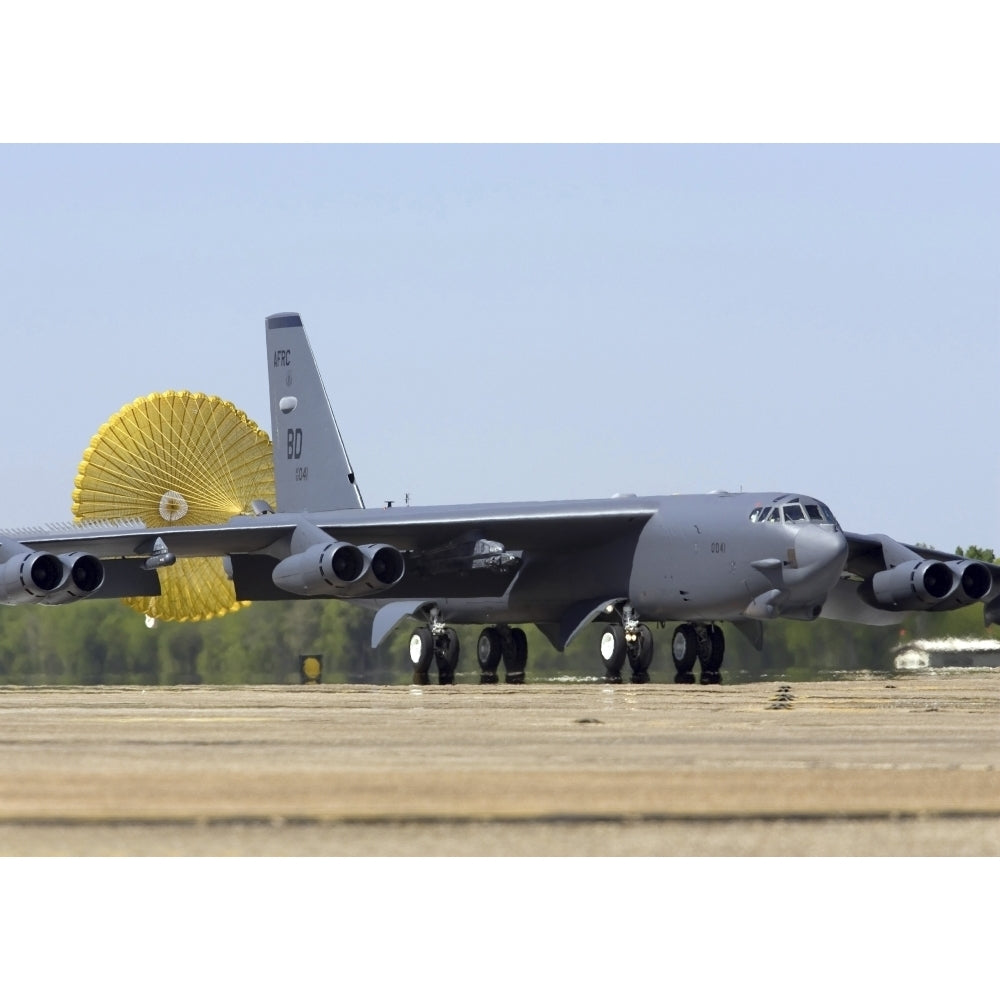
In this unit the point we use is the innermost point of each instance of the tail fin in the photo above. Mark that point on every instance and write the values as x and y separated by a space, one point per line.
311 469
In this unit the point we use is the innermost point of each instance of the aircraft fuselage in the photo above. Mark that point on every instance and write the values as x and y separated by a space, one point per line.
697 560
692 558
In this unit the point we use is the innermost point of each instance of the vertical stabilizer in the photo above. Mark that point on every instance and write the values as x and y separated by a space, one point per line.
311 469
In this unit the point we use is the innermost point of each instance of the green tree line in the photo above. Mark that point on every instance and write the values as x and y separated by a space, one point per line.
104 642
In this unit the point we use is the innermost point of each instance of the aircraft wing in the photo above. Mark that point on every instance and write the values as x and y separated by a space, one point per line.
472 550
885 579
515 525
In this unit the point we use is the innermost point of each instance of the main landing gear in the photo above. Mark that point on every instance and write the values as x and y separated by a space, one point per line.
636 646
501 642
439 643
632 640
706 643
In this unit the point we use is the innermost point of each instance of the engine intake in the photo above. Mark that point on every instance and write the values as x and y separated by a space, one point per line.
335 568
973 582
975 579
339 569
84 574
911 586
385 566
29 576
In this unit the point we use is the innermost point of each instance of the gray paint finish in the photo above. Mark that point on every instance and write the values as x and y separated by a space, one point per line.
695 559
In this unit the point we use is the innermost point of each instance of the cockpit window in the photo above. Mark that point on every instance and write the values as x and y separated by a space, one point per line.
794 513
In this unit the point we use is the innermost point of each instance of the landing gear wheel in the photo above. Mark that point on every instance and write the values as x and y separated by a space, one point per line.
640 654
613 653
711 650
515 655
489 649
684 650
446 655
421 652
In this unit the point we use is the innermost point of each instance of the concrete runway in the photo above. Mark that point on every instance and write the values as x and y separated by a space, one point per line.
908 765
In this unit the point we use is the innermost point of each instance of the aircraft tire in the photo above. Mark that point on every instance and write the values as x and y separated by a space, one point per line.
613 653
684 648
489 649
640 655
421 653
446 652
712 650
515 655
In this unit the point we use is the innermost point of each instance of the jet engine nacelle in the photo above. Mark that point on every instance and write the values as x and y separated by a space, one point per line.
385 566
339 569
28 577
911 586
84 574
335 568
973 583
975 579
32 577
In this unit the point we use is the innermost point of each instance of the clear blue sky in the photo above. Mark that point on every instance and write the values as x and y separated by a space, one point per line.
531 322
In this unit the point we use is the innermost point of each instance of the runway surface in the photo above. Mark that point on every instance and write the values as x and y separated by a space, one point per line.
889 766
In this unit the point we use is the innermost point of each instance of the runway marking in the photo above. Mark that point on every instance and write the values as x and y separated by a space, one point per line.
560 818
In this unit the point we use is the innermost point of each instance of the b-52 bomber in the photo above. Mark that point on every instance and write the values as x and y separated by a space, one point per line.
622 563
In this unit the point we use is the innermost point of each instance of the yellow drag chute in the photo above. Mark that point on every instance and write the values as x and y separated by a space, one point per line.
172 459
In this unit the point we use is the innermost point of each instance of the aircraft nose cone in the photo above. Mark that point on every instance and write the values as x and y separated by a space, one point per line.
818 548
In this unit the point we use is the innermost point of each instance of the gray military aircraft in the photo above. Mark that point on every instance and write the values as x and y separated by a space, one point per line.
625 562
